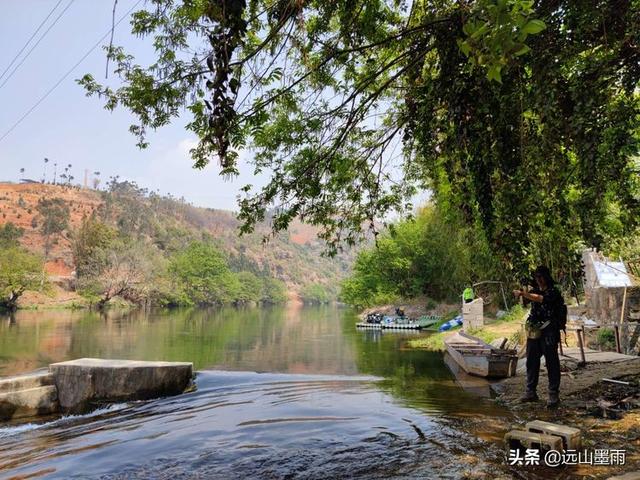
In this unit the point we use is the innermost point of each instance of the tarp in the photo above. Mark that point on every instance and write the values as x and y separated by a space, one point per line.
612 274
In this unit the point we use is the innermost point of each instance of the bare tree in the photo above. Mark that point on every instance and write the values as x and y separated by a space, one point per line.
120 270
53 219
96 180
44 172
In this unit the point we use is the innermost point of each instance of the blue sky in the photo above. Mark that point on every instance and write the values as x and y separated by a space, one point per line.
70 128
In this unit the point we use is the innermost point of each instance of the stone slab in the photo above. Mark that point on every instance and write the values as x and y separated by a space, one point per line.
571 437
626 476
85 381
25 382
28 403
473 314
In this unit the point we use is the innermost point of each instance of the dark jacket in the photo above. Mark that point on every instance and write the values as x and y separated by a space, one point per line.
548 310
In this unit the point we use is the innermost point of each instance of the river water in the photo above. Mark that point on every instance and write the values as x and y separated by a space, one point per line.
292 392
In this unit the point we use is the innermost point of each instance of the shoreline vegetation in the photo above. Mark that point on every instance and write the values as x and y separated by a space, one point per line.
62 246
607 413
508 326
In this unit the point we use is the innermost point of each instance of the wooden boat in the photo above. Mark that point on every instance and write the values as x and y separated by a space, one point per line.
477 386
479 358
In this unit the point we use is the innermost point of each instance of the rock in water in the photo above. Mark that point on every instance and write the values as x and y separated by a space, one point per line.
88 380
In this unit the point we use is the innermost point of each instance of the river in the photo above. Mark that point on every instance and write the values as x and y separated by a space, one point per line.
287 392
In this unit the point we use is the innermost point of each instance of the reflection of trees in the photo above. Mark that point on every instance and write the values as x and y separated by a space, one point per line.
284 339
299 340
418 378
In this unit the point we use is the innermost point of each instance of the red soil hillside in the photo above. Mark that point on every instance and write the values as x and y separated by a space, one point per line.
18 205
294 257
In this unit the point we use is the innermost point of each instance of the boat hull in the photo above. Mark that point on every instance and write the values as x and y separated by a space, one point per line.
480 359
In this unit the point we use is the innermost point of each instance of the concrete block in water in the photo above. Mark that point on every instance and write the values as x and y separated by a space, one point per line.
626 476
519 440
25 382
28 403
571 437
86 380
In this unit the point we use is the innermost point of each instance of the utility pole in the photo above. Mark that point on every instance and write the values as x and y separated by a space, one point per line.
86 178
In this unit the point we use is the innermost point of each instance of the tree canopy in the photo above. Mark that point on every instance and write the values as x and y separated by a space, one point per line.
53 218
520 115
10 235
20 270
431 255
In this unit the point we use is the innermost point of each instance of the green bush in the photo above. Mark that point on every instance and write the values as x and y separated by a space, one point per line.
606 338
434 255
273 291
250 288
10 234
315 293
201 272
19 271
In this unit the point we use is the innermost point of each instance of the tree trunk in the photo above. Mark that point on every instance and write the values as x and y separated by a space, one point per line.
102 303
47 247
11 303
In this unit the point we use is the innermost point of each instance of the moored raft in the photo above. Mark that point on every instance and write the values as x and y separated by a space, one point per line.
379 322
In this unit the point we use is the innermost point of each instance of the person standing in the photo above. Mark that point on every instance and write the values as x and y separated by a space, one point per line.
543 335
468 295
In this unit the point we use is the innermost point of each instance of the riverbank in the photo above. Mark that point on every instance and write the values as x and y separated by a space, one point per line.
415 307
507 326
57 297
607 413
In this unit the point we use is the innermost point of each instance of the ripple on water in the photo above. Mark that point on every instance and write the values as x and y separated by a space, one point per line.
262 425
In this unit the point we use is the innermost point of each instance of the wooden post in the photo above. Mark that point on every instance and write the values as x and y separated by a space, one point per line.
581 345
622 315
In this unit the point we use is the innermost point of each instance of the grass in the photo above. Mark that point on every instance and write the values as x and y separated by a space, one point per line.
507 326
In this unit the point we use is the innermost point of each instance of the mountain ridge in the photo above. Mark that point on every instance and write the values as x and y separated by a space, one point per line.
294 257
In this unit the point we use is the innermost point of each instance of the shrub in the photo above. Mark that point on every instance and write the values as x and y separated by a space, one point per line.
434 255
19 271
315 293
606 338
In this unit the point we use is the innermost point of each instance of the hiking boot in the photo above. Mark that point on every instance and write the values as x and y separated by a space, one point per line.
529 397
554 400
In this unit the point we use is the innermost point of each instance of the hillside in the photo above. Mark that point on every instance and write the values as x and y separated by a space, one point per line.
294 257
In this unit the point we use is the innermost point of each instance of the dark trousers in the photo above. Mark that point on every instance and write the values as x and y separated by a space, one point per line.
546 345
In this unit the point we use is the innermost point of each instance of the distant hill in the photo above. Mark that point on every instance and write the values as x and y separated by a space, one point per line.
294 257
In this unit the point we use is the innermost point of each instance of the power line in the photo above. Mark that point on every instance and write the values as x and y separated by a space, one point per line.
30 38
36 44
57 84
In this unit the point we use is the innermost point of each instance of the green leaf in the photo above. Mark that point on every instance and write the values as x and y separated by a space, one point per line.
494 73
464 47
533 26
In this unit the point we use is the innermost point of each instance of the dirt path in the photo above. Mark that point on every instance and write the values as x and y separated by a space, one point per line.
574 381
608 414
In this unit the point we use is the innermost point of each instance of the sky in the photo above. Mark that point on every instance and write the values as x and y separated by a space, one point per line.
70 128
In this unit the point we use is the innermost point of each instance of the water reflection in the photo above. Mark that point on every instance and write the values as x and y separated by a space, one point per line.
292 339
286 422
247 425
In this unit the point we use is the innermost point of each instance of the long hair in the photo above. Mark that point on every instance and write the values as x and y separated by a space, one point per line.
545 273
